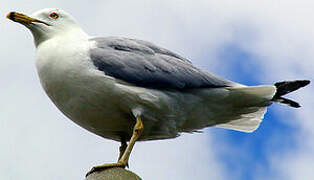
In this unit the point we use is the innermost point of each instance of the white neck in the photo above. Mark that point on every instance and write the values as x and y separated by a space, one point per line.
75 33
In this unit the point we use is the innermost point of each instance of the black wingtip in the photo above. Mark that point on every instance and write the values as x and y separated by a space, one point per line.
305 82
286 87
301 83
288 102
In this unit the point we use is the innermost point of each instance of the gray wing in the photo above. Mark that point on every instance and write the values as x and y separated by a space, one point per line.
147 65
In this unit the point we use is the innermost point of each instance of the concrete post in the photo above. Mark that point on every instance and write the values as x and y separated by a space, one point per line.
113 174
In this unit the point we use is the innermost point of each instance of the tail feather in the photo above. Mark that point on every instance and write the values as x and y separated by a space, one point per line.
286 87
249 106
254 100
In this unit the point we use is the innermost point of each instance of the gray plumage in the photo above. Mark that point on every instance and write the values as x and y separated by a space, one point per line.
146 65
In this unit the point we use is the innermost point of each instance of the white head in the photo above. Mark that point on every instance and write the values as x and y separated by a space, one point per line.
47 23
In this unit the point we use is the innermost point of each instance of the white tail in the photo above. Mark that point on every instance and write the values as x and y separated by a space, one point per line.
253 101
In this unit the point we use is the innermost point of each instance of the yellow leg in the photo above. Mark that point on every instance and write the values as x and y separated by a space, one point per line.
122 148
124 159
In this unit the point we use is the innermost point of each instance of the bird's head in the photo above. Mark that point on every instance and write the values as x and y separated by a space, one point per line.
46 23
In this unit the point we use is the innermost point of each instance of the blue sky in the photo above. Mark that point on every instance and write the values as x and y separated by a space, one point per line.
251 42
251 153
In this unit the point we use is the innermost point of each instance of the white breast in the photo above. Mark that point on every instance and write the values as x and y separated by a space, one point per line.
70 80
61 63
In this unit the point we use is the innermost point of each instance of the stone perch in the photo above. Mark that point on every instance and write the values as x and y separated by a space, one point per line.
113 174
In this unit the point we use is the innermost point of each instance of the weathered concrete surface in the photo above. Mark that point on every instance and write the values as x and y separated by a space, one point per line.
113 174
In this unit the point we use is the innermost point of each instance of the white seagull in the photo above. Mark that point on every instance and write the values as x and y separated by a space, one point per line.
132 90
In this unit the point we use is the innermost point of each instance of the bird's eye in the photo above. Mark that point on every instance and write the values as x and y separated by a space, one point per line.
53 15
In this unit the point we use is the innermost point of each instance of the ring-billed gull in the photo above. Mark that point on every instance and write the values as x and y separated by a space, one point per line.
114 87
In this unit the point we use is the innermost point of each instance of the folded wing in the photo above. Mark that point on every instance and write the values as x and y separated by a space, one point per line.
146 65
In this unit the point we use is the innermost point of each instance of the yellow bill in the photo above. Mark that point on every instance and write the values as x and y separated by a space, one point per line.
23 19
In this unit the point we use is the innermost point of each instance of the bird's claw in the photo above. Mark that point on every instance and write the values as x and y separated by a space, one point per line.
105 166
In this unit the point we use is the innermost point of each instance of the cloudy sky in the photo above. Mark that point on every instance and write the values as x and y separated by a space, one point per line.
249 41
